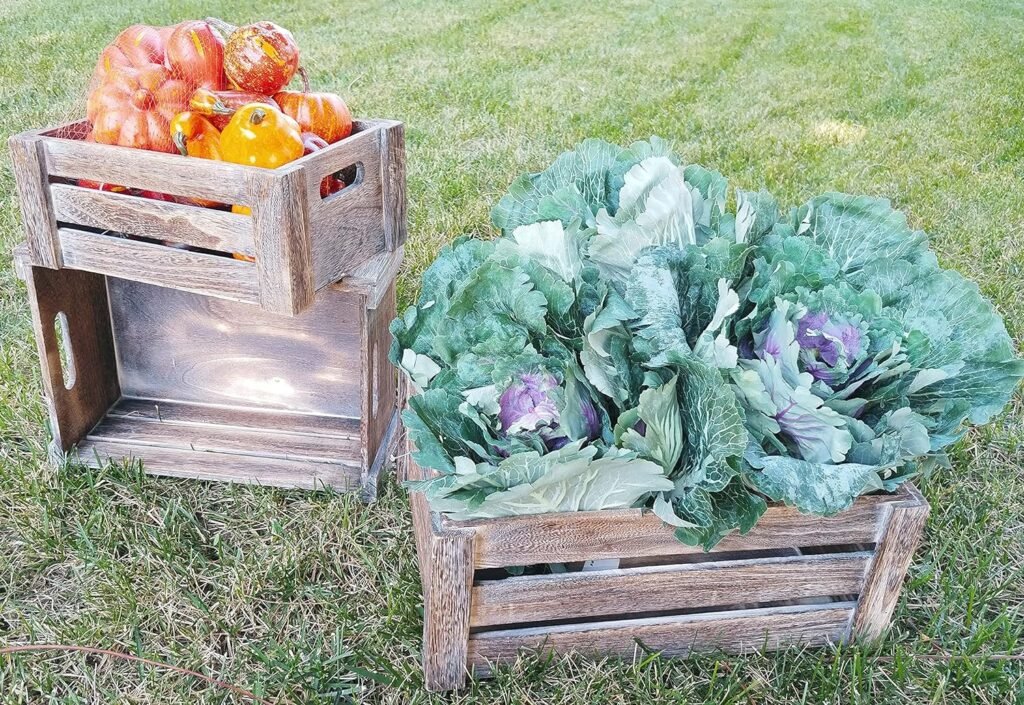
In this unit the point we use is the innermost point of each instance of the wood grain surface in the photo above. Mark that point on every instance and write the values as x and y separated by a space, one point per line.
190 348
577 536
735 631
28 162
82 298
374 278
223 467
903 527
281 228
151 171
241 418
213 275
195 226
447 584
602 593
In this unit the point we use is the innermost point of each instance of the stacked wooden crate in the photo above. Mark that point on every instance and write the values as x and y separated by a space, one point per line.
210 344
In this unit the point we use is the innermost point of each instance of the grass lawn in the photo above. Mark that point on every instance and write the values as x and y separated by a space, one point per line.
312 597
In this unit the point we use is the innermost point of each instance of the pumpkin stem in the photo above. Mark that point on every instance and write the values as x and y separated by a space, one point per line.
257 116
221 26
305 79
178 137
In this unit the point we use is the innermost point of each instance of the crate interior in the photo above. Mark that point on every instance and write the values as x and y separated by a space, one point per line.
197 386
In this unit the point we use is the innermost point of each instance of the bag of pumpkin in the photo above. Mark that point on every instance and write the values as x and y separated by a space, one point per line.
208 89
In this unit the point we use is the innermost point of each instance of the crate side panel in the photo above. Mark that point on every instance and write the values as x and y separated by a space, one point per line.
665 588
177 346
347 227
735 632
82 299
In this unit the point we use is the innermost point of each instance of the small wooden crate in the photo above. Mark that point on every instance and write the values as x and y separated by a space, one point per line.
794 579
199 387
301 242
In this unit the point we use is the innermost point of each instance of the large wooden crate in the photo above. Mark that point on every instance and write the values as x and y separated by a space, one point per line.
200 387
793 580
301 243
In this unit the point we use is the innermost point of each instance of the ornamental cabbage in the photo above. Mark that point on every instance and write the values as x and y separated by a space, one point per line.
629 340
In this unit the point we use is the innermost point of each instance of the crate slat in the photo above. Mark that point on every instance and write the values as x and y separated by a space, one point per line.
224 467
268 442
632 533
539 598
159 220
156 264
737 631
152 171
182 413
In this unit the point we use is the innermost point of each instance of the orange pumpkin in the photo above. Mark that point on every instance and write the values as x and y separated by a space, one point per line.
323 114
133 107
136 46
195 53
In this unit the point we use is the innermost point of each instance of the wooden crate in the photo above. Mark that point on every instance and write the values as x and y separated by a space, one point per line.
793 580
204 388
301 243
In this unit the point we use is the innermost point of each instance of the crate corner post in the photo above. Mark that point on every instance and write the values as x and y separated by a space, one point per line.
28 162
392 180
901 527
447 592
281 229
446 560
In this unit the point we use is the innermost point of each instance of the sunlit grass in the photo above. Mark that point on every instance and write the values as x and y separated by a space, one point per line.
310 597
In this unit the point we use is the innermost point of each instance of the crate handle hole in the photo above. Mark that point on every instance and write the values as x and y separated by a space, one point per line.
352 175
67 356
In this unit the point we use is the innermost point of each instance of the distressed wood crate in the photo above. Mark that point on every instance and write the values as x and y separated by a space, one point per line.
301 242
793 580
204 388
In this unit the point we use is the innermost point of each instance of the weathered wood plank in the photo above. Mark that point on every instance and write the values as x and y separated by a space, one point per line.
901 534
159 220
268 442
447 584
380 377
740 631
281 229
82 298
392 164
386 453
347 227
539 598
29 167
374 278
152 171
558 538
251 418
158 264
224 467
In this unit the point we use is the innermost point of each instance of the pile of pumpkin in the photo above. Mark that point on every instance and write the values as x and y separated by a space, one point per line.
204 88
